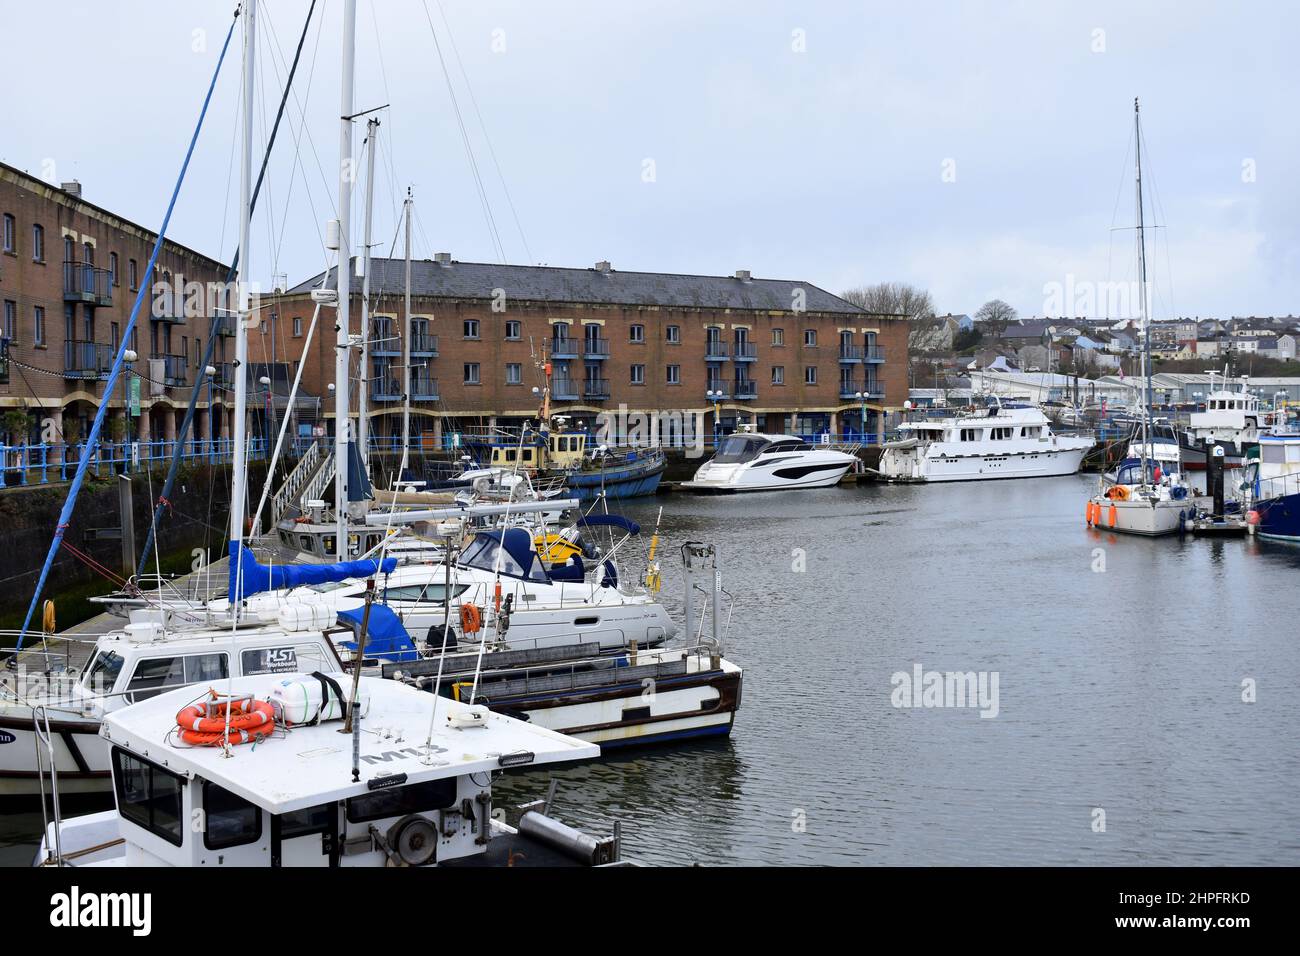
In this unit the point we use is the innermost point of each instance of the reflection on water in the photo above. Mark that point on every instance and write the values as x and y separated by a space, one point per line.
1121 665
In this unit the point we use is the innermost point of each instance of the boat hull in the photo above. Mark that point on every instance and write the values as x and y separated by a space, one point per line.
1279 518
1049 463
1140 516
632 480
812 470
80 756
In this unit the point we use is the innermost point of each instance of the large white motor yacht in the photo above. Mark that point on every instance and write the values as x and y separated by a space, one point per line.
1007 441
753 461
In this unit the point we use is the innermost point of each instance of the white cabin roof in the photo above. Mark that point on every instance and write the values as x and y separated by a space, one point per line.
311 765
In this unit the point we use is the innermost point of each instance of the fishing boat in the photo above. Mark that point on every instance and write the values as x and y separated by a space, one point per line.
411 787
1272 485
554 453
1008 440
1233 419
753 461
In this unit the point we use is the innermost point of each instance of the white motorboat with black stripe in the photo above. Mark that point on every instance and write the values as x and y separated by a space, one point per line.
752 461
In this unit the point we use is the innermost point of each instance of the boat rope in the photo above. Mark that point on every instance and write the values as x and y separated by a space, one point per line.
69 504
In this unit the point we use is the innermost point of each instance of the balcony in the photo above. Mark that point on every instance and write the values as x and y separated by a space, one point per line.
564 390
174 369
564 348
716 350
719 389
594 348
226 325
870 390
744 352
595 389
850 353
86 360
424 389
170 307
423 345
82 282
386 388
874 353
746 389
225 377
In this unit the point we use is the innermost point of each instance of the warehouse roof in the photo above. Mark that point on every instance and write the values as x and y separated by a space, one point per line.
596 286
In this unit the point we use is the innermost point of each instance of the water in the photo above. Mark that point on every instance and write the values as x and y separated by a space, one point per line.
1119 689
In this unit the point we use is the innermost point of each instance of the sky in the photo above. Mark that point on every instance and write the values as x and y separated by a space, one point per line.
977 150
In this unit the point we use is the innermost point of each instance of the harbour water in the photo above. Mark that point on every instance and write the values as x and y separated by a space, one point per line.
1119 665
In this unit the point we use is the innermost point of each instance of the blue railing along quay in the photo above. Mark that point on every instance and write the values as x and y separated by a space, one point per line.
42 464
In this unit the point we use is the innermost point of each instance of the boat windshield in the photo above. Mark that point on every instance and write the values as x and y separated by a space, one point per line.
102 673
1130 472
485 550
739 448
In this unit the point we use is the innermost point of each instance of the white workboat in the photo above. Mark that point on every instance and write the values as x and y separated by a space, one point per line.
752 461
1006 441
411 786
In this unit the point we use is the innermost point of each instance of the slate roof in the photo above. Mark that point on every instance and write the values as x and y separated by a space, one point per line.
477 280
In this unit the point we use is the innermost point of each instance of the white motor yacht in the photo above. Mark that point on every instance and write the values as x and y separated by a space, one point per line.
752 461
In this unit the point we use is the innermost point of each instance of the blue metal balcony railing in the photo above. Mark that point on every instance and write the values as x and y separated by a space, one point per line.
82 282
850 353
716 386
716 350
424 389
744 352
745 388
564 390
41 464
175 370
595 388
564 348
594 348
86 360
874 353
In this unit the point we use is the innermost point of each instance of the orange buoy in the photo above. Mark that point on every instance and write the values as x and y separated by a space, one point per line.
471 618
1112 516
205 724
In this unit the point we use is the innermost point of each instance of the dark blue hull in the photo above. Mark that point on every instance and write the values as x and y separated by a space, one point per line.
1279 518
626 480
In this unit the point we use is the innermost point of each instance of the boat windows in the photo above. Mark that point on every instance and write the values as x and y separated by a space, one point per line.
228 819
307 543
785 447
153 675
298 823
430 593
972 434
148 795
1003 434
102 673
739 448
484 552
399 801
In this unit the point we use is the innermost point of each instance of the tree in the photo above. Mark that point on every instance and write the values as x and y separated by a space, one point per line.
996 314
892 298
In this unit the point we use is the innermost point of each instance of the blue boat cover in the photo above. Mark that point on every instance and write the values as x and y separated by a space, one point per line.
610 521
358 483
258 577
386 636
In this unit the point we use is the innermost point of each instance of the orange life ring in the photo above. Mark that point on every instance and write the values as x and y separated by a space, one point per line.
248 720
471 618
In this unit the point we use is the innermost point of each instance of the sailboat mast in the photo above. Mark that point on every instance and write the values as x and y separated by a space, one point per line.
239 462
406 336
342 352
363 397
1142 290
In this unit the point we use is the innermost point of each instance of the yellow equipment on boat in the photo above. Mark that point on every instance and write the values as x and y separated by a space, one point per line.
554 548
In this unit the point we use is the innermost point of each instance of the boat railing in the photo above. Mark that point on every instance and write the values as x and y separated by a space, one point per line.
1277 486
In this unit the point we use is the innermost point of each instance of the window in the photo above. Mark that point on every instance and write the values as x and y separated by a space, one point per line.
10 239
778 374
471 328
778 337
972 434
101 675
810 338
810 374
228 819
1003 434
148 795
471 373
513 332
674 375
673 334
38 325
636 334
638 374
399 801
11 320
132 275
112 268
297 326
154 675
514 373
38 242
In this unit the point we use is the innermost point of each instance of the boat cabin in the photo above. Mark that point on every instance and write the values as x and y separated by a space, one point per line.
417 793
562 450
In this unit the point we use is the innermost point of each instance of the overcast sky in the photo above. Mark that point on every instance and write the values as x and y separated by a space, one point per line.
978 150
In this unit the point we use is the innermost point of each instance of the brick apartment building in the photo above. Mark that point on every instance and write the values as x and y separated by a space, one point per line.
69 275
785 355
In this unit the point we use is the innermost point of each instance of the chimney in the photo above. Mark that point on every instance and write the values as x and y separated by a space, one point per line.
443 259
72 189
743 275
603 266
